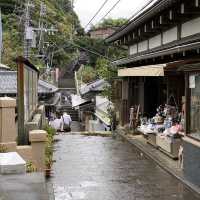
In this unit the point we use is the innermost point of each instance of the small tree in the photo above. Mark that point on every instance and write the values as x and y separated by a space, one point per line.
87 74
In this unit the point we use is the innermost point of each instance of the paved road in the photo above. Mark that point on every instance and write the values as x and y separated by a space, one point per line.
23 187
97 168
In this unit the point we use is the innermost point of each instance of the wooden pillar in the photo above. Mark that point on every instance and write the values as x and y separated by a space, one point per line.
22 138
187 104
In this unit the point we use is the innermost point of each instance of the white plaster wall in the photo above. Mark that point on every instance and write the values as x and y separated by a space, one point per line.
133 49
170 35
155 41
142 46
191 27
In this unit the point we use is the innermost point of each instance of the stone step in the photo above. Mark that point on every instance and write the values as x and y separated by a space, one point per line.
12 163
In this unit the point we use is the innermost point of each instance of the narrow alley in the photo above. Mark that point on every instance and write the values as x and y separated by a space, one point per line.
102 168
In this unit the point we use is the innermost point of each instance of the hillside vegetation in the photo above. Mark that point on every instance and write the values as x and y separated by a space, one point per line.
59 15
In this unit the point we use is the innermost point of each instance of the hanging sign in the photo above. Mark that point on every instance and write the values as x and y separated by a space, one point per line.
192 81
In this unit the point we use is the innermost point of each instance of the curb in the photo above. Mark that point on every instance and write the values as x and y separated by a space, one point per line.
188 184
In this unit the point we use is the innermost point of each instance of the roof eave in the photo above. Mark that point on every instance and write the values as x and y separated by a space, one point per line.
155 8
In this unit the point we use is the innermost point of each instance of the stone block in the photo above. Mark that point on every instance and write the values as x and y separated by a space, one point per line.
7 102
38 140
12 163
37 136
9 146
8 131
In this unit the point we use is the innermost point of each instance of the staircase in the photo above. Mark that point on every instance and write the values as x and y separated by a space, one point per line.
72 112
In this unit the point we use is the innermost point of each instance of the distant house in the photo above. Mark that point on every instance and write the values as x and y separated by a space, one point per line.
93 107
102 33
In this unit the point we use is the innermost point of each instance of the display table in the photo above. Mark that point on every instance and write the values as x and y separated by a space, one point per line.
149 135
169 145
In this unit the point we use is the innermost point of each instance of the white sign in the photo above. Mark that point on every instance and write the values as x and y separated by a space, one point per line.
192 81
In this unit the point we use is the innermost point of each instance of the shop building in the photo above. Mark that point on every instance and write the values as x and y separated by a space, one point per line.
163 68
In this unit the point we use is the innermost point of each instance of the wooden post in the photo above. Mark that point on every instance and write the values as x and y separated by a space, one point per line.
187 104
22 138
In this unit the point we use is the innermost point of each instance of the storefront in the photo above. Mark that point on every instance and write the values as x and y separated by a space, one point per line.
165 31
191 143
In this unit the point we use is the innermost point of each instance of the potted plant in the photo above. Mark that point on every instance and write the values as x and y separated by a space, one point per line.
49 150
48 164
3 149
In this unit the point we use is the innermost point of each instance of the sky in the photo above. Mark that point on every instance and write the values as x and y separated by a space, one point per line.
86 9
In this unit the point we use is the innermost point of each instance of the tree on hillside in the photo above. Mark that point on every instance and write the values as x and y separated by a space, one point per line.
110 23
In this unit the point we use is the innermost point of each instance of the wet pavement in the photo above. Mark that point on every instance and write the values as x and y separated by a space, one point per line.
99 168
29 186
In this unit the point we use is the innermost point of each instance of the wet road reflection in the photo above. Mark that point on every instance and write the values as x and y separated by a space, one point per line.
98 168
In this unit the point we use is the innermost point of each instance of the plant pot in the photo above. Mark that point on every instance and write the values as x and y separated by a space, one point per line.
47 173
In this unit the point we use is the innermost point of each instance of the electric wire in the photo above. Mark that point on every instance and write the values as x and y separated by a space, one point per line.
113 7
135 14
96 13
140 10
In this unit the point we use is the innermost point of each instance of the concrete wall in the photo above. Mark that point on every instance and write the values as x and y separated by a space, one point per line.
191 160
133 49
143 46
190 28
170 35
155 41
38 121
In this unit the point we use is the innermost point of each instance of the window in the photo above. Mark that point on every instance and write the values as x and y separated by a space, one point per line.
194 84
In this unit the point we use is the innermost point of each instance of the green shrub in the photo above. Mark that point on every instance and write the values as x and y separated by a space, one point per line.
49 146
30 167
3 149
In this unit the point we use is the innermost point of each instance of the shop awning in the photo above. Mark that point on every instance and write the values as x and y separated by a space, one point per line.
150 70
77 100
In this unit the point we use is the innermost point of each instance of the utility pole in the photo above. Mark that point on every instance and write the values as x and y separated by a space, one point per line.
1 35
43 9
27 29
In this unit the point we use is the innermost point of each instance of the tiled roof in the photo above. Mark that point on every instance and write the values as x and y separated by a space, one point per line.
96 86
4 67
8 84
45 87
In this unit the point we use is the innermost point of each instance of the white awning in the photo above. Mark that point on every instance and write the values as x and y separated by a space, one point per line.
77 100
150 70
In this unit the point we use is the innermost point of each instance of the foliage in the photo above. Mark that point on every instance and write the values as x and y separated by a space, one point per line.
87 73
105 69
109 22
3 149
97 48
30 167
59 15
49 146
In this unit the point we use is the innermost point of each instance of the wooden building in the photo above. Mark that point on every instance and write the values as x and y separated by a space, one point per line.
163 65
102 33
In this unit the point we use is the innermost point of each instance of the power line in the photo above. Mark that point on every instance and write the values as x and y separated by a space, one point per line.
96 13
143 7
83 48
137 13
113 7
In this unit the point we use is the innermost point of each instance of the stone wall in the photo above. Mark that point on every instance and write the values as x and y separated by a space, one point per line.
35 152
8 133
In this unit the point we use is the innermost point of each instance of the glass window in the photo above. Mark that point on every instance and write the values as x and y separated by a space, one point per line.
194 85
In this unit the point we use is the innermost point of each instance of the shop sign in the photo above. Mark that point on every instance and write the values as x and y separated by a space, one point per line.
192 81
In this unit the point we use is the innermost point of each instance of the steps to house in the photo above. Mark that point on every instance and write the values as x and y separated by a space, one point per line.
72 112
